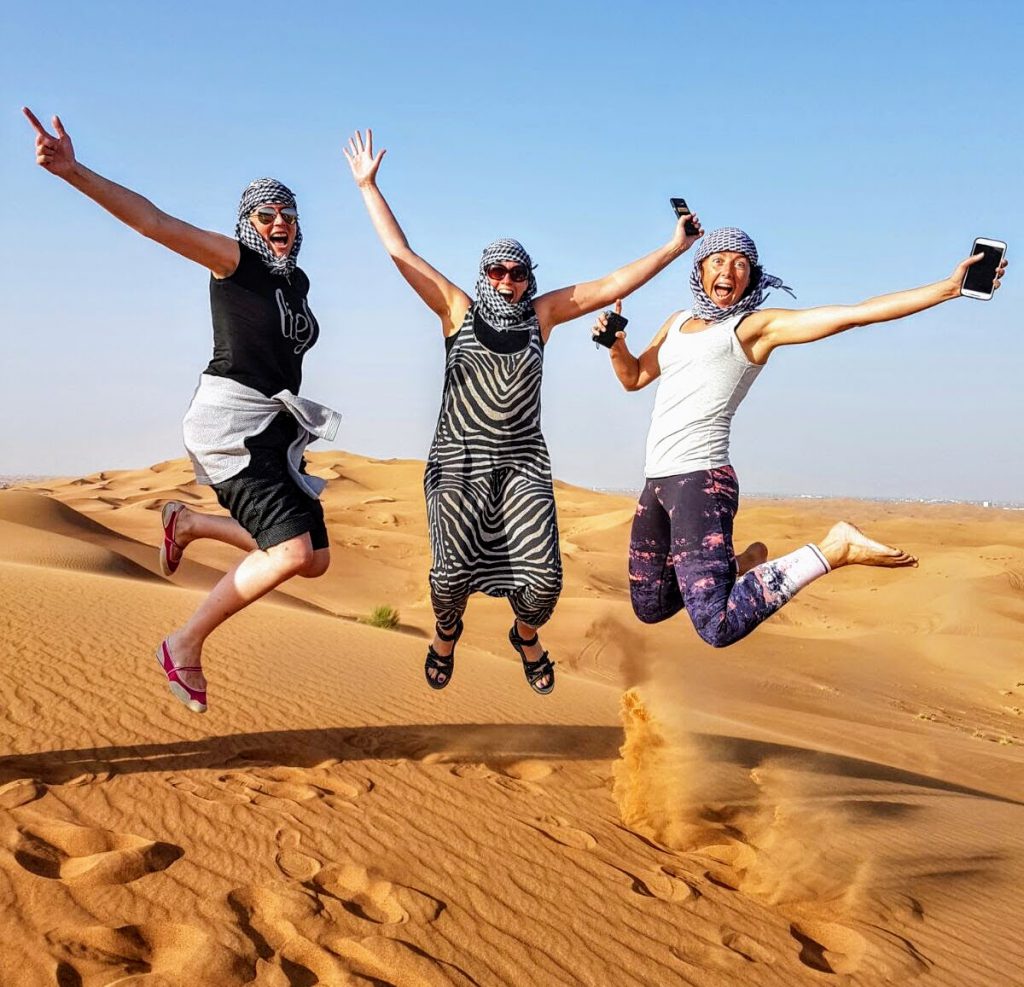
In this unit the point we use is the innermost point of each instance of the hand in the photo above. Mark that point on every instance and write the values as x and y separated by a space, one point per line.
958 275
602 323
681 238
54 153
361 158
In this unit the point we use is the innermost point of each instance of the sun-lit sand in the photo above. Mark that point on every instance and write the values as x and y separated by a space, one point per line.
837 799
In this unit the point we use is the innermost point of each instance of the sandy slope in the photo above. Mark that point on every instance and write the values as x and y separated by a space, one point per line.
837 799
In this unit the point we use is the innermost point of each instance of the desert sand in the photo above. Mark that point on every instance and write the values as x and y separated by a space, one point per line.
837 799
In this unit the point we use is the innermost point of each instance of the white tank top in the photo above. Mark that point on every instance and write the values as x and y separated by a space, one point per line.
704 377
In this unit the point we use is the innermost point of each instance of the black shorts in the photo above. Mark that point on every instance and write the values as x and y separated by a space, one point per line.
266 501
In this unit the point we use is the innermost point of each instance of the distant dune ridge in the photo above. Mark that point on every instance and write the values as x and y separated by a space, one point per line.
839 798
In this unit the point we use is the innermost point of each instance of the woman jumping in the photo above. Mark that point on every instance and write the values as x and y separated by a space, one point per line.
681 553
246 428
490 500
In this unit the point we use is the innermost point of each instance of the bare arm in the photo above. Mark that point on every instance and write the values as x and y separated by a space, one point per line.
763 331
566 304
449 302
220 254
635 372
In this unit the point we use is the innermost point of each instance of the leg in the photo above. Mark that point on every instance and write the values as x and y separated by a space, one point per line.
653 589
255 576
725 609
193 525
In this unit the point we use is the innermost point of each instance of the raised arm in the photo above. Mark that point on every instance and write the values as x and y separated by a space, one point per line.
763 331
566 304
635 372
449 302
55 152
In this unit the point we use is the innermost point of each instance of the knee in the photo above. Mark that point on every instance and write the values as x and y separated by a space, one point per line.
319 564
717 633
293 557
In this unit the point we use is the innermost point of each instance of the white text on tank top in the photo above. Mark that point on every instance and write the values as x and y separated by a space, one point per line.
704 377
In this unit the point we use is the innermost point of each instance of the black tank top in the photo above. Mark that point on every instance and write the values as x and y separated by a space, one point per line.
262 326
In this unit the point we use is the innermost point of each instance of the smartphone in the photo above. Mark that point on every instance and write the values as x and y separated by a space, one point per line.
980 277
616 323
682 209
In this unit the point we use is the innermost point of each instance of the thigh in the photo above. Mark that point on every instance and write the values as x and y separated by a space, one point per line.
702 507
266 501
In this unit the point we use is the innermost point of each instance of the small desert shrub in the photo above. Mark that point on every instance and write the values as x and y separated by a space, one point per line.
383 616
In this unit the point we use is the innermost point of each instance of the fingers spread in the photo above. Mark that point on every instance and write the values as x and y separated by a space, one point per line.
59 127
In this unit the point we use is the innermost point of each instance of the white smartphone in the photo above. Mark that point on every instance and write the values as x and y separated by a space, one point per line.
980 277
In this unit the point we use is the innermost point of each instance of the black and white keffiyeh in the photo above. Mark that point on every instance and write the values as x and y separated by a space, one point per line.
732 239
260 193
496 311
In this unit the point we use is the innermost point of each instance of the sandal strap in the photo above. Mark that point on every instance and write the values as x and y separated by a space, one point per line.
448 638
536 669
522 641
440 662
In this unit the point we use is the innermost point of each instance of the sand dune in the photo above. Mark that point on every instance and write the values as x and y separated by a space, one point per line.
838 798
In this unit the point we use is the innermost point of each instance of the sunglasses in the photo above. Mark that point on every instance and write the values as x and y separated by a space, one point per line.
497 272
266 215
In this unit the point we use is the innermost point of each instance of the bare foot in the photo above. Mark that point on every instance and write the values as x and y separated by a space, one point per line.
754 554
846 544
184 653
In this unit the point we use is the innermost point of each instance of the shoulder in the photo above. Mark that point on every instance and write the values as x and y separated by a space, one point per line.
247 258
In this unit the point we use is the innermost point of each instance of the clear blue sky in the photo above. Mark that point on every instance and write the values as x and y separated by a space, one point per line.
863 145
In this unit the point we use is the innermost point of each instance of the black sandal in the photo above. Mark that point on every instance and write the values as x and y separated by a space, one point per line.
442 664
533 670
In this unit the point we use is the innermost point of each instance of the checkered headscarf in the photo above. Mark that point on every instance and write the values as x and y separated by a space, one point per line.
730 238
496 311
256 194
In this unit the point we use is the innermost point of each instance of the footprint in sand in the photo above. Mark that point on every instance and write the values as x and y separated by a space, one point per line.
558 829
84 855
20 792
205 792
374 899
291 861
664 884
731 861
181 953
513 776
828 947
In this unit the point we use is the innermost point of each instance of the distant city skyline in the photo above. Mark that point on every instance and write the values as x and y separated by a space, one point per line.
844 139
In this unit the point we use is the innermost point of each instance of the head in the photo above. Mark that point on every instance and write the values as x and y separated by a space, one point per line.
726 277
506 285
268 222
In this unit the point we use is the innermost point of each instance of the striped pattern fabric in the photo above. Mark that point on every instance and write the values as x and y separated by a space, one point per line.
490 499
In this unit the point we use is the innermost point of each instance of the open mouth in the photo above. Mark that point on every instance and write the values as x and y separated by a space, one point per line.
278 239
507 293
722 290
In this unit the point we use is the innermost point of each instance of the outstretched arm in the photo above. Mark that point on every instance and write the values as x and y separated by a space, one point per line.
763 331
635 372
449 302
566 304
56 154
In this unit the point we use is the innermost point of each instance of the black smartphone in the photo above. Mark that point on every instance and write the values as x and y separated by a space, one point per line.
981 277
682 209
616 323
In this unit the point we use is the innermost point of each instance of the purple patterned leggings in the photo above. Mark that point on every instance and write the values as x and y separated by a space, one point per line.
681 555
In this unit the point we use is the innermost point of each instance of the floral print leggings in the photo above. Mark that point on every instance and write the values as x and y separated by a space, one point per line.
681 555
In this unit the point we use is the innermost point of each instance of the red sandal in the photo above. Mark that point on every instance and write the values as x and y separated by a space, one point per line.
194 699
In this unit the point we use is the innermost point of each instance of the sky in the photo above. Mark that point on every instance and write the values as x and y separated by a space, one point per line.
863 146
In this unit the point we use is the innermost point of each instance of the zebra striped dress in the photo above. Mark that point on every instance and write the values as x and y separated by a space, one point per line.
490 499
